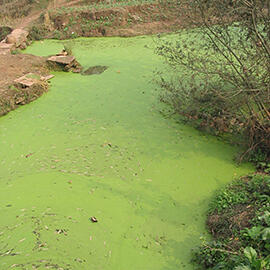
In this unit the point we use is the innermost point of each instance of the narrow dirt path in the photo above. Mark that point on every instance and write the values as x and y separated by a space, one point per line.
26 21
22 24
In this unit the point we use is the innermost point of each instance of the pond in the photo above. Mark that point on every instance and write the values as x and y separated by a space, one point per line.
98 147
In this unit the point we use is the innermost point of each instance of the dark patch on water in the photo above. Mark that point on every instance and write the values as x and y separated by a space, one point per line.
94 70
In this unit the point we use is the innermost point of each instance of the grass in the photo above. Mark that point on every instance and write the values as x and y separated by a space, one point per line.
91 19
239 221
12 10
101 6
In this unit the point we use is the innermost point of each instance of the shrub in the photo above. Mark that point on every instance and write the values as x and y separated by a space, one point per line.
247 245
221 70
37 32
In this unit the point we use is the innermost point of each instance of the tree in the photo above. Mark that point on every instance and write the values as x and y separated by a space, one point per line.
221 69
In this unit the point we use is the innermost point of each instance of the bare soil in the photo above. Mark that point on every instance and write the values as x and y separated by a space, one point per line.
123 21
13 67
224 224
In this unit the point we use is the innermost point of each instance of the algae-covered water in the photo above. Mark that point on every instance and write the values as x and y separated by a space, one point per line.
98 146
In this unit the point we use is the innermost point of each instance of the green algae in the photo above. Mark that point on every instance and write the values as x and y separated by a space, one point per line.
98 146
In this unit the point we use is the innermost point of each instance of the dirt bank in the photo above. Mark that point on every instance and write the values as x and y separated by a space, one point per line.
112 20
70 19
15 66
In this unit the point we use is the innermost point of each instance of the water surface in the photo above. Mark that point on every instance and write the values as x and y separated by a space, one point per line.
98 146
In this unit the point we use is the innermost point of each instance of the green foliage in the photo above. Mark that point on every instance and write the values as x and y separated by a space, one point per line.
12 87
16 51
249 248
228 198
220 70
253 262
256 189
4 31
37 32
214 255
57 34
263 166
265 218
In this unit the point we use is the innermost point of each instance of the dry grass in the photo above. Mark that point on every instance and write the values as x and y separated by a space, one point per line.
11 11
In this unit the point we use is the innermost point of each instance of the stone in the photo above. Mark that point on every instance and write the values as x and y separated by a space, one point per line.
61 59
28 80
46 78
65 62
17 37
31 79
10 39
6 48
23 46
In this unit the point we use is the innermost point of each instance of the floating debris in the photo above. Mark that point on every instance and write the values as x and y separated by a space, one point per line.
60 231
29 155
93 219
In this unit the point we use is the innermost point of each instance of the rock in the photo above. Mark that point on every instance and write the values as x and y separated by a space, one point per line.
17 37
31 79
61 59
65 63
23 46
6 48
27 80
46 78
10 39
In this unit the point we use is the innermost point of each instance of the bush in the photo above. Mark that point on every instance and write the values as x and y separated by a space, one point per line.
221 70
4 31
247 245
37 32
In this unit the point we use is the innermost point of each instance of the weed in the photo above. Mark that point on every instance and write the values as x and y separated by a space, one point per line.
37 32
245 247
14 88
16 51
228 197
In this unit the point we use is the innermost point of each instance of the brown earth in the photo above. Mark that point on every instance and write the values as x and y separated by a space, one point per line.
223 225
60 21
13 67
124 21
